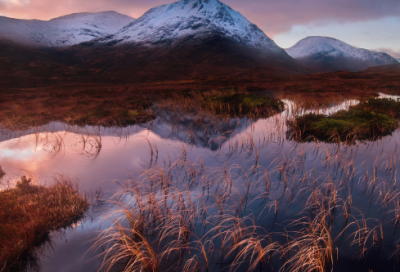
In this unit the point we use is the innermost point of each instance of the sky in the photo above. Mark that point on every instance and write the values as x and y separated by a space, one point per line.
370 24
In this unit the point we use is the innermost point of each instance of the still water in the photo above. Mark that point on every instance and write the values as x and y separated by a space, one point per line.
100 160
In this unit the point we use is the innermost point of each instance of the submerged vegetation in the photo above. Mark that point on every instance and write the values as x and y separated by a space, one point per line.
30 212
367 120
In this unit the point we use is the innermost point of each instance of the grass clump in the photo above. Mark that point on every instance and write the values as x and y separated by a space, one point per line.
226 102
386 106
108 114
242 104
29 212
2 173
344 125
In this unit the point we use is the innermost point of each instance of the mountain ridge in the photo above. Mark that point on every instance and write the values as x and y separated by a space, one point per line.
191 38
195 19
329 54
179 41
62 31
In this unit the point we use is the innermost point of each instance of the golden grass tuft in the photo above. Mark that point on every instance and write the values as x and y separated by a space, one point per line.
29 212
2 173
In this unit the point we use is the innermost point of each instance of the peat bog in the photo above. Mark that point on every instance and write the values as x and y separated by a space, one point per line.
188 140
214 181
368 120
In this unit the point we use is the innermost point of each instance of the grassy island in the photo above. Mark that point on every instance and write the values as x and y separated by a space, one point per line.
29 213
368 120
242 104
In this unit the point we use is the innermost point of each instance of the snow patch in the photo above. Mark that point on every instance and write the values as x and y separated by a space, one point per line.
330 47
192 19
63 31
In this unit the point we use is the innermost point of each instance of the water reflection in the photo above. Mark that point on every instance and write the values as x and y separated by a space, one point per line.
389 96
200 129
294 109
249 152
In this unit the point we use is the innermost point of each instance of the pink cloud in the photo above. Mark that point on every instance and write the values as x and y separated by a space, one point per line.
392 52
273 16
276 17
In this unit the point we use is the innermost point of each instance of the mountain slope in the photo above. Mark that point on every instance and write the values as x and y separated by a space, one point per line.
328 54
192 20
63 31
186 40
194 38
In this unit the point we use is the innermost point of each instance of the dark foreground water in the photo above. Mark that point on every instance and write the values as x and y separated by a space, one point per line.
251 162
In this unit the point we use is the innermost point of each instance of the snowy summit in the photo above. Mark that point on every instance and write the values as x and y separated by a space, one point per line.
339 55
63 31
191 20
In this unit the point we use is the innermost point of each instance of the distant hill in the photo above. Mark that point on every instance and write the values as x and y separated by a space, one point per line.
327 55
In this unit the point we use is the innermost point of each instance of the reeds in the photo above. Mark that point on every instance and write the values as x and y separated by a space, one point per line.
367 120
189 216
223 103
294 209
29 212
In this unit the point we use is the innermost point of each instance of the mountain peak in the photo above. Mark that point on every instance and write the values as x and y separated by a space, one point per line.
199 1
77 15
334 54
192 20
328 46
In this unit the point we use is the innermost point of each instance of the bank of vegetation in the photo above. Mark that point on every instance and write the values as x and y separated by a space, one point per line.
370 119
229 102
30 212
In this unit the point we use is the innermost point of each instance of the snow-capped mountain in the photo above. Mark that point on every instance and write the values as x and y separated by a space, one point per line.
192 20
185 40
63 31
328 54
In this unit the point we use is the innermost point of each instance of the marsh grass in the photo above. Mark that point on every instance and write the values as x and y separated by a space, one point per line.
243 104
185 216
30 212
227 102
385 106
343 126
2 173
81 106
